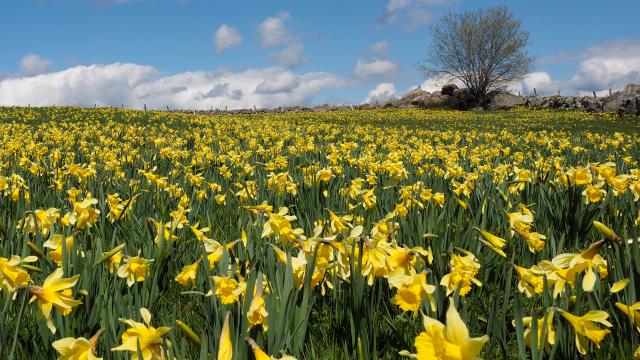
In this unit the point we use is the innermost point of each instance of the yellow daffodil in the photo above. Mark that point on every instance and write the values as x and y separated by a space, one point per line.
530 282
12 273
188 274
463 272
228 289
585 328
134 269
55 292
589 262
55 244
225 346
619 285
143 336
450 341
632 311
77 349
257 314
495 243
259 354
411 291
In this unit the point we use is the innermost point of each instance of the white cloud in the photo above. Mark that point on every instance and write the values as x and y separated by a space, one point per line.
375 68
609 65
540 81
381 93
135 85
226 37
436 83
273 32
280 83
289 57
34 64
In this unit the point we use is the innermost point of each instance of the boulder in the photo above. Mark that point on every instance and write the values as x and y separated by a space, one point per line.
630 107
589 104
322 108
449 89
441 102
392 103
410 97
421 100
535 102
505 101
622 103
367 106
632 89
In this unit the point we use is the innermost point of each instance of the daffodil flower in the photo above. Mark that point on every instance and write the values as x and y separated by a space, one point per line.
585 328
143 336
447 342
55 292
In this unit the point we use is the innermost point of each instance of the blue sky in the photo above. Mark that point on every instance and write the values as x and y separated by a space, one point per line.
270 53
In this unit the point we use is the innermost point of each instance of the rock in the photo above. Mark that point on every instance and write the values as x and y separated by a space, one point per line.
449 89
441 102
630 107
393 103
632 89
622 103
568 102
367 106
589 104
505 101
322 108
411 97
421 100
535 102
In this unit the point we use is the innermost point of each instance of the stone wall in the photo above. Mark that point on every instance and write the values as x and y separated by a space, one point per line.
625 102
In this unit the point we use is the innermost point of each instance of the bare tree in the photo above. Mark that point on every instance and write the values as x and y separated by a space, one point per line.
484 49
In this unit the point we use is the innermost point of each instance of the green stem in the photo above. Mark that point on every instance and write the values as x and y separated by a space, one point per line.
15 334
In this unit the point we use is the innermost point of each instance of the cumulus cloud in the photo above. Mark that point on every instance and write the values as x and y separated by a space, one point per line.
436 83
135 85
226 37
540 81
273 32
289 57
34 64
375 68
381 93
282 82
609 65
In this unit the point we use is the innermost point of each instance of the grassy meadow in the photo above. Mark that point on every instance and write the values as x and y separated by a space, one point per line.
375 234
